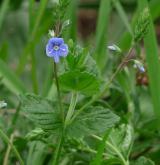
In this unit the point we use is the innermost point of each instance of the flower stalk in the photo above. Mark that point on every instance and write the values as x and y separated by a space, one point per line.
58 92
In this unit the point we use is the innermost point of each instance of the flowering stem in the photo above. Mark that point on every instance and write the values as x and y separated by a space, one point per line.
60 143
68 117
7 140
58 91
71 107
106 87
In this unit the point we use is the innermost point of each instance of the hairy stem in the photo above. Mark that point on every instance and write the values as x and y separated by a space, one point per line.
60 143
58 92
6 139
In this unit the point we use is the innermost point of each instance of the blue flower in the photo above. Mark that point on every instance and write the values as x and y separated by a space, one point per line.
56 48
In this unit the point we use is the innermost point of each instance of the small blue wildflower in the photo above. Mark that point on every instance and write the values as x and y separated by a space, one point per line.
56 48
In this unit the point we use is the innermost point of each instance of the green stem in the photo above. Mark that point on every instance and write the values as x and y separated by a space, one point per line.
58 149
106 87
125 162
6 139
58 92
6 157
71 107
60 143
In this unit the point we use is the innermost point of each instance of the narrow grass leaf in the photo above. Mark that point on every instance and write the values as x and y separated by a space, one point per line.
30 43
151 48
122 15
101 33
3 10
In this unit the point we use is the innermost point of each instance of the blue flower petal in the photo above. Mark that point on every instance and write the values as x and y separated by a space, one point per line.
64 50
56 41
49 50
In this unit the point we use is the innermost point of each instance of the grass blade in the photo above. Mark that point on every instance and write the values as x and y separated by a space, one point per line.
3 10
29 46
123 15
101 33
153 63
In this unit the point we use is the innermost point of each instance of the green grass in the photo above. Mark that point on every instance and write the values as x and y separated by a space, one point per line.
152 59
101 39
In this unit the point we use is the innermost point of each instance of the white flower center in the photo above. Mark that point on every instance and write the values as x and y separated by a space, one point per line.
56 47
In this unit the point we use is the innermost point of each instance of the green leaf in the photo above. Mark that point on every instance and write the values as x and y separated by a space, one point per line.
122 139
80 59
37 153
91 121
144 161
42 112
83 82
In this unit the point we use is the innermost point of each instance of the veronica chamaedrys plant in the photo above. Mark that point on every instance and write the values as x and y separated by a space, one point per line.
56 48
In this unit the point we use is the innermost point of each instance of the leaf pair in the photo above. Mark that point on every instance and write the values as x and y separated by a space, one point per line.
44 114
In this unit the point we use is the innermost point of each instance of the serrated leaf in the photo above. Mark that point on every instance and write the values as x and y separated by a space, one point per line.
80 59
83 82
93 120
122 139
144 161
41 111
